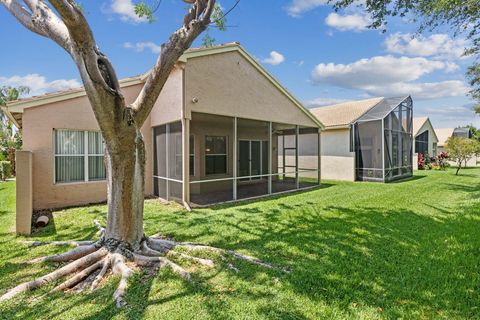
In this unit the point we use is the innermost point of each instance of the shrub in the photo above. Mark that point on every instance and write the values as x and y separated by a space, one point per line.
442 159
421 162
5 170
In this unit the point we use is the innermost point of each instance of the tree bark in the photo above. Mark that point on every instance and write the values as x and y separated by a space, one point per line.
125 164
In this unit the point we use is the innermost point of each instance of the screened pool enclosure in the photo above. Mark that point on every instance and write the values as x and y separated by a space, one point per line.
212 159
382 141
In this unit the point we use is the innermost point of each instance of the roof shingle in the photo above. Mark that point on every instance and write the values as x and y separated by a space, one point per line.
345 113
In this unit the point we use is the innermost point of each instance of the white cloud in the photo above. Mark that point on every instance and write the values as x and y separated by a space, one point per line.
439 46
451 111
274 59
38 84
349 22
126 10
141 46
390 76
448 115
375 71
297 7
320 102
429 90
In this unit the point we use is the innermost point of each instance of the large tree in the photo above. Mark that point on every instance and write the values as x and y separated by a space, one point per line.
462 15
123 237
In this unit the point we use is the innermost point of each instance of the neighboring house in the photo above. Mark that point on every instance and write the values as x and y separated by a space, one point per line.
367 140
445 133
426 140
222 129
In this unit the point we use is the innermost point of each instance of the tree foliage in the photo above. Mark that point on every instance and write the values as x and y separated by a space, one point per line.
8 93
219 19
462 15
10 138
461 150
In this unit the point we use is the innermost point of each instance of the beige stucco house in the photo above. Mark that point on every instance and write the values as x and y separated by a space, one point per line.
445 133
367 140
222 129
426 140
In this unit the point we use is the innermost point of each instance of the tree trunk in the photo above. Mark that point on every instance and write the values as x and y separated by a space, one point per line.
125 163
458 168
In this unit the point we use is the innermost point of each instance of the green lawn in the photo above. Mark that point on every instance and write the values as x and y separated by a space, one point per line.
407 250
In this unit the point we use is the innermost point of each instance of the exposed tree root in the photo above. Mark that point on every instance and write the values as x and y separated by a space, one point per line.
203 262
106 265
68 256
57 243
53 276
119 267
78 277
112 255
100 228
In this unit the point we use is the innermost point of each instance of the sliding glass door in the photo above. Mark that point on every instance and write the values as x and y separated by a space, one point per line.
250 159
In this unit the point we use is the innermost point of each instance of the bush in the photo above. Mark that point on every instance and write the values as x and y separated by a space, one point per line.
5 170
433 163
421 162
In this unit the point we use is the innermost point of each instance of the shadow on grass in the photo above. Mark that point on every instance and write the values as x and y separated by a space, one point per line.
363 255
287 195
406 180
400 261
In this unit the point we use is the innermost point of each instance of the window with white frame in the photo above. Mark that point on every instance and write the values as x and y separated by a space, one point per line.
78 156
215 155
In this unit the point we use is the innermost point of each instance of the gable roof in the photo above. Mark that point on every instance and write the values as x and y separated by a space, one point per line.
443 134
17 107
235 46
342 115
419 122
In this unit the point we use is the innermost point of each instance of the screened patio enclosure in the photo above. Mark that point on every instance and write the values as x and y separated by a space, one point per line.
383 142
213 159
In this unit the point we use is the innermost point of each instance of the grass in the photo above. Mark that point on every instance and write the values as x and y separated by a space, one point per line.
408 250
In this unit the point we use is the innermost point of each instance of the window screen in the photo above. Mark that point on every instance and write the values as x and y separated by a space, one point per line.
421 143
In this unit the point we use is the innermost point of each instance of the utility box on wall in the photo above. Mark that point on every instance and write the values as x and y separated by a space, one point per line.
24 201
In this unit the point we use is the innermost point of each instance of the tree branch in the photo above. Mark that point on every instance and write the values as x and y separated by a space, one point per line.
46 20
98 75
22 15
75 22
194 24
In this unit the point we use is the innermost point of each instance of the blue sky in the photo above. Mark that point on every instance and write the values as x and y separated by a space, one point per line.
322 57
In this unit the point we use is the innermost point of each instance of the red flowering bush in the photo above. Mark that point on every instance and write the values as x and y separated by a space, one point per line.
421 162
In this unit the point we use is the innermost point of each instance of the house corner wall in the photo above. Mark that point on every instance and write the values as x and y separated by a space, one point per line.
24 200
337 162
39 124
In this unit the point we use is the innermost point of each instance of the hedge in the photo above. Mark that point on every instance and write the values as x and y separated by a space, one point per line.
5 170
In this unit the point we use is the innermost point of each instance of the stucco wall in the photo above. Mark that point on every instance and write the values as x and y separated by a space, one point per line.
473 162
227 84
431 138
169 105
338 163
38 125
